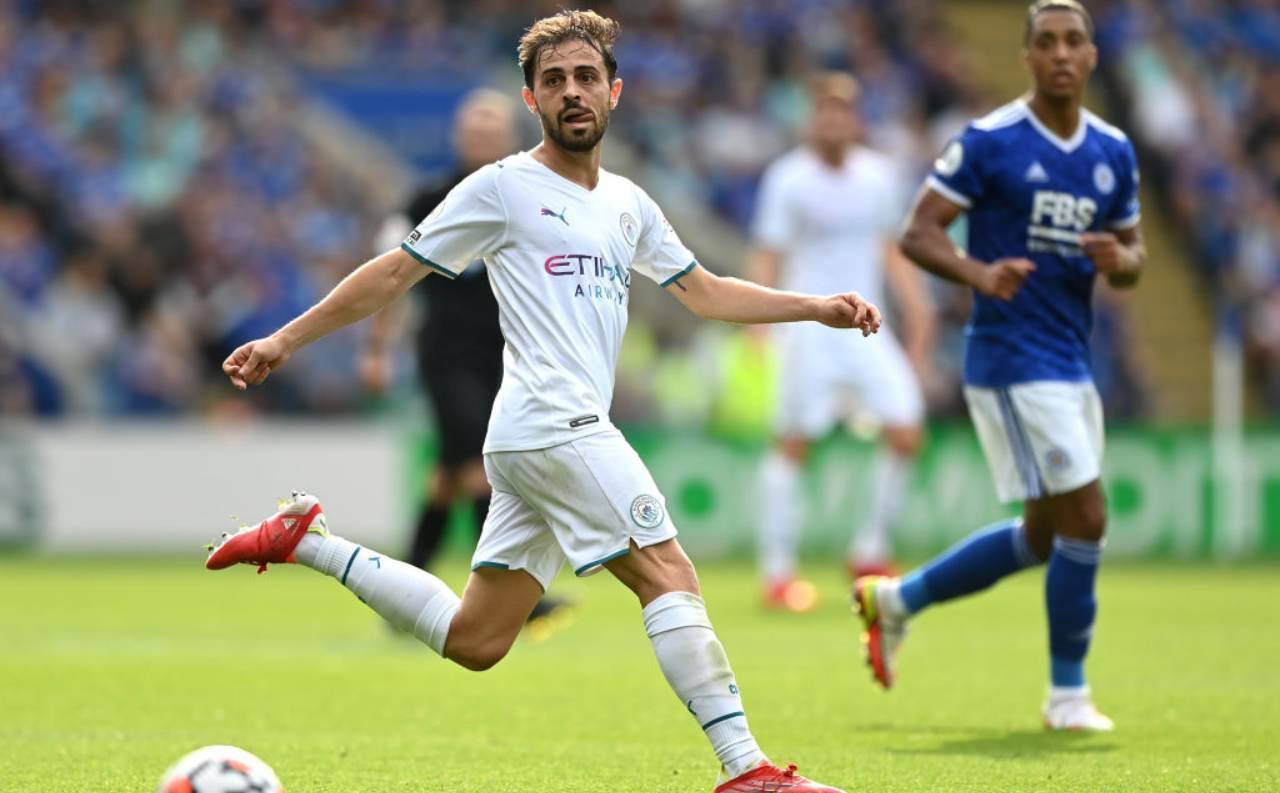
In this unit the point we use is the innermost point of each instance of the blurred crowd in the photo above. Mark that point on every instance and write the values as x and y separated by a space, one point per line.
1201 81
159 203
158 206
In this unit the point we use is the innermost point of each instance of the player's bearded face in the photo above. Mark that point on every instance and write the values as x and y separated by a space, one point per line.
573 96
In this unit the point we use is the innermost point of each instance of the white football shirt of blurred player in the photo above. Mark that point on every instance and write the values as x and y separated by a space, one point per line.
831 225
560 259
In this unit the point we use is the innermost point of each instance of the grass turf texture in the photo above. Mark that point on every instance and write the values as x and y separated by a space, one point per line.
112 669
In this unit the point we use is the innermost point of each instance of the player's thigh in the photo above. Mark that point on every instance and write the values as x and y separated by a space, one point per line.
1002 448
655 570
496 603
1061 424
1079 514
596 495
808 387
1041 439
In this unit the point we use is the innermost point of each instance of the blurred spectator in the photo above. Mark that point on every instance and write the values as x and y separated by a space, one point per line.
1202 80
146 154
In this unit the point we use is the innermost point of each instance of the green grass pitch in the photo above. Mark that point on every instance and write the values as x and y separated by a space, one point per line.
111 669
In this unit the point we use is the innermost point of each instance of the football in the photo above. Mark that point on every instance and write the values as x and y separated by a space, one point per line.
220 769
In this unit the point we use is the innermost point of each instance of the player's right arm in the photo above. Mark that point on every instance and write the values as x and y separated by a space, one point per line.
365 291
468 224
927 243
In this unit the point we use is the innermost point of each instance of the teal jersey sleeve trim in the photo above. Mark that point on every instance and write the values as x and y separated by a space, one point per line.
445 271
494 565
680 274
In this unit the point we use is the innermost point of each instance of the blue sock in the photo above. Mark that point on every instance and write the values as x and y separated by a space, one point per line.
977 562
1069 598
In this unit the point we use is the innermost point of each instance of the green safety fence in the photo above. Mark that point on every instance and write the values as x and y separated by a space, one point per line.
1164 499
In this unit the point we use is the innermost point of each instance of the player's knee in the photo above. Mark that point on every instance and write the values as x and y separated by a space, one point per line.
1039 536
1093 521
477 656
1083 517
795 449
904 441
656 570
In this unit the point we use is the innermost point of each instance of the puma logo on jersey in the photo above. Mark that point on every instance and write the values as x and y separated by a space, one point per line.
548 213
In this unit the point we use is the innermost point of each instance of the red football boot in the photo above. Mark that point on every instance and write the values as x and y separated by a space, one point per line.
768 778
271 541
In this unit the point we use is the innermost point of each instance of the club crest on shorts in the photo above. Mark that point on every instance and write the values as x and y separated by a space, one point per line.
1058 459
647 512
630 229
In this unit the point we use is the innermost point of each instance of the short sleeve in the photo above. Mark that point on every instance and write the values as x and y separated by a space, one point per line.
1126 211
957 173
660 255
467 225
775 223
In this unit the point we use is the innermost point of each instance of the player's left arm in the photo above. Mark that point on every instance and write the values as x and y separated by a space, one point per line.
729 299
1120 255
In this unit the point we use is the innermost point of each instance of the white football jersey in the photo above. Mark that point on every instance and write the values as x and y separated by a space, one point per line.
831 224
560 259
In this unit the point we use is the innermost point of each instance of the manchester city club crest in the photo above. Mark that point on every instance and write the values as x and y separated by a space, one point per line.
630 229
1104 178
647 512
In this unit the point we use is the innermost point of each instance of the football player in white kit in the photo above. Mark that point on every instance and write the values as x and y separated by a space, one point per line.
560 238
828 218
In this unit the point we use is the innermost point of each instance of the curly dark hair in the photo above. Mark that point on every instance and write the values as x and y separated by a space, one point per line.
598 32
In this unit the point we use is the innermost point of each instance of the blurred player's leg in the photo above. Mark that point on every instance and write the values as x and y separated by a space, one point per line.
1079 520
428 534
889 390
782 509
871 552
697 667
974 564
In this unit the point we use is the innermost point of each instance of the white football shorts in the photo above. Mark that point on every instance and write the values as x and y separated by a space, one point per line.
583 502
828 374
1040 438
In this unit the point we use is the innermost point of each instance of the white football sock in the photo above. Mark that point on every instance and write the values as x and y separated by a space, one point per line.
697 668
781 511
408 597
888 495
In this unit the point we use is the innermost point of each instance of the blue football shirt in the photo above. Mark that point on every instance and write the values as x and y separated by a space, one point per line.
1030 193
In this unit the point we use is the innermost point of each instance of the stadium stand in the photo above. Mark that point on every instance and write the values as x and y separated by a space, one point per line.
159 202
